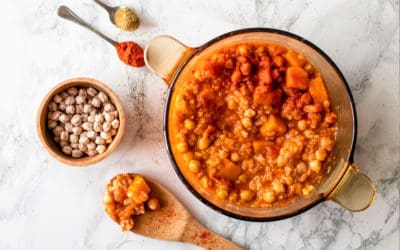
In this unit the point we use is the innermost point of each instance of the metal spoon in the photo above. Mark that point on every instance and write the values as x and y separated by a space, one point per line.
111 10
67 13
173 222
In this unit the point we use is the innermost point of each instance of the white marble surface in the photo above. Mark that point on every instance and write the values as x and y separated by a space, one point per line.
46 205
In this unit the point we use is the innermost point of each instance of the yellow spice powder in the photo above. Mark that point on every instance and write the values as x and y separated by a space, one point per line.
126 19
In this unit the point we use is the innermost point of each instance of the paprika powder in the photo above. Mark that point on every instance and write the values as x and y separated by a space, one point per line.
130 53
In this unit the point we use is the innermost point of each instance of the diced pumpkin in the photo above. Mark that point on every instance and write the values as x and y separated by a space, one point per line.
261 146
263 96
297 78
295 59
230 170
138 190
273 126
317 90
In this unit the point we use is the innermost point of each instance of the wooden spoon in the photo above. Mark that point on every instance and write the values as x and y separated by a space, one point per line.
173 222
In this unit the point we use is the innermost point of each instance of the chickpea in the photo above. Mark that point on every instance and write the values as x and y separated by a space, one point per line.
52 106
109 107
100 140
301 167
189 124
278 187
222 194
203 143
97 127
83 147
105 135
76 153
100 149
64 118
72 91
109 140
102 96
242 178
77 130
153 204
87 126
288 180
249 113
113 131
73 138
57 139
91 135
245 68
51 124
302 125
54 116
269 196
232 104
57 130
309 68
115 123
235 157
321 154
107 126
62 106
64 136
87 108
182 147
64 95
82 92
79 99
91 118
91 91
187 157
70 109
70 100
67 150
79 109
247 123
83 139
194 166
307 190
63 143
96 102
91 152
91 146
315 166
74 145
108 116
57 98
76 120
326 143
243 50
246 195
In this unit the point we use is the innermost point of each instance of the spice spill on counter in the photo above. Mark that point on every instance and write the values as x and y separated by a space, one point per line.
126 19
130 53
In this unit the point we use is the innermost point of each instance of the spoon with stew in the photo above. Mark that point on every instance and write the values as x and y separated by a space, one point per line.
128 52
168 220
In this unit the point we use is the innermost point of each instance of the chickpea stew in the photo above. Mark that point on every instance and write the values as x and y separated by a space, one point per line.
251 123
125 196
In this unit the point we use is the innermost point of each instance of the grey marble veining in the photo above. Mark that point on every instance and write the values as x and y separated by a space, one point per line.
46 205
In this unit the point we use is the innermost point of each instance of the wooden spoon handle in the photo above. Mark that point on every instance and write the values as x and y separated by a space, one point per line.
197 234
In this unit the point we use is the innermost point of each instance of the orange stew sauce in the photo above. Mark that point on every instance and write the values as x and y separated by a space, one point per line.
252 124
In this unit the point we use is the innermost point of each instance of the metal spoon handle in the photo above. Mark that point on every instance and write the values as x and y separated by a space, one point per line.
67 13
105 6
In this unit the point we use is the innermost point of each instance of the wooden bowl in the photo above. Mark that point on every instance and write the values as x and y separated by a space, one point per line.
46 136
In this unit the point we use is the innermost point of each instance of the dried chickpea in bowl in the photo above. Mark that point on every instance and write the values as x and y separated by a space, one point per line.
126 196
81 121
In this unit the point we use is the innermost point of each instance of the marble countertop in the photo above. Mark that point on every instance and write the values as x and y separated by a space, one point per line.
47 205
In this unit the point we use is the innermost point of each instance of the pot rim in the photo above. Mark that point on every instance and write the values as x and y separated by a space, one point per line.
167 107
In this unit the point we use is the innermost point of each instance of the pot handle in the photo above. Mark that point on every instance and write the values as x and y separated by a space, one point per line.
355 191
164 55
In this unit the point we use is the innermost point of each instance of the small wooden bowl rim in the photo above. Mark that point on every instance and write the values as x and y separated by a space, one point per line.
45 135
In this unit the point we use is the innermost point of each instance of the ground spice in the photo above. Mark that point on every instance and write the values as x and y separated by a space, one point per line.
130 53
126 19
